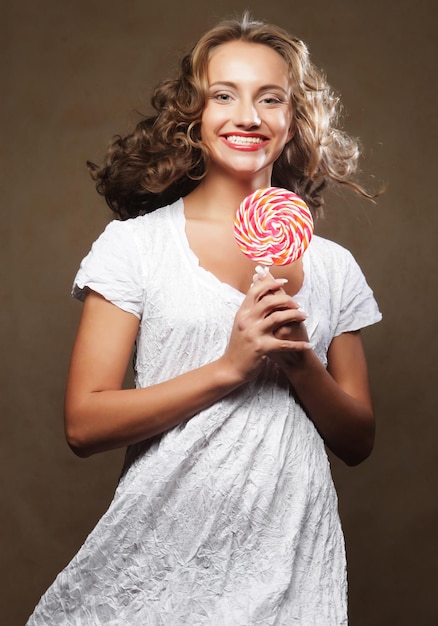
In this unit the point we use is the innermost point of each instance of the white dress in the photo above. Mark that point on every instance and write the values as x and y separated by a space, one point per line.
229 519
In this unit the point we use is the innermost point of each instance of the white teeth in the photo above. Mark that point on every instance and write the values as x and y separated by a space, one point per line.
237 139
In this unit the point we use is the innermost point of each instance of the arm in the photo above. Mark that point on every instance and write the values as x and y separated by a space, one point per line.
99 415
337 399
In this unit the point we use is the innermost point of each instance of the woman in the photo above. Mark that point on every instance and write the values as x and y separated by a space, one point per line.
226 511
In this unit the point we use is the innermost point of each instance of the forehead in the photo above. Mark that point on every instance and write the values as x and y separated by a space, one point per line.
243 59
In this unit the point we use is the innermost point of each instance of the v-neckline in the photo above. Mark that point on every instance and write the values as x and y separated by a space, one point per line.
208 275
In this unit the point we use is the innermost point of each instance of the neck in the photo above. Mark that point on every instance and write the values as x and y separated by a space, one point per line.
219 197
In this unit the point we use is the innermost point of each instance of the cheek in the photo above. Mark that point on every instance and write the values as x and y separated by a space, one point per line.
207 122
286 128
284 124
291 130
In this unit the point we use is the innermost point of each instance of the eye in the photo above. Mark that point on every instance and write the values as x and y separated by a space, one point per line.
272 100
222 97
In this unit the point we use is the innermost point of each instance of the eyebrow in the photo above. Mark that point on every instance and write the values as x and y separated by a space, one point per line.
270 87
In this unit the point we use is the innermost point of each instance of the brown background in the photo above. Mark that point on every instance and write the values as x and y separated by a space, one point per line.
73 72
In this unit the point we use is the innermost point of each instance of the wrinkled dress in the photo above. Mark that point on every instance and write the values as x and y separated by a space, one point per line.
231 517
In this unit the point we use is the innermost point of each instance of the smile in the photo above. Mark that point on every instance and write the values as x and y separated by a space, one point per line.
238 139
245 142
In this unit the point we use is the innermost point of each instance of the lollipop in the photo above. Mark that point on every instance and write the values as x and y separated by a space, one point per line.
273 226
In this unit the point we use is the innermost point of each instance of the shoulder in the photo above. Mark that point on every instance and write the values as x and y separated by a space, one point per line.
351 298
120 258
329 255
335 266
328 248
132 224
144 222
135 231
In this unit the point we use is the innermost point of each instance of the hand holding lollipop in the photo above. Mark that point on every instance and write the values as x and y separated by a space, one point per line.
274 226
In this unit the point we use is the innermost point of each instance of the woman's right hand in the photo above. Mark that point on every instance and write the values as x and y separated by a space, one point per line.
267 308
100 415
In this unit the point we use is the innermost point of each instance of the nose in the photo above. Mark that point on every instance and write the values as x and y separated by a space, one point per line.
246 114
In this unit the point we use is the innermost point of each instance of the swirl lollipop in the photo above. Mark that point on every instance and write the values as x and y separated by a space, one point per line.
273 226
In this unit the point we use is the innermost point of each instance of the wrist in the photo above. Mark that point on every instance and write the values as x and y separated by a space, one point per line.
298 363
225 375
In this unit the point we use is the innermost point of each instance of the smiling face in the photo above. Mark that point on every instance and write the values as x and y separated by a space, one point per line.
248 115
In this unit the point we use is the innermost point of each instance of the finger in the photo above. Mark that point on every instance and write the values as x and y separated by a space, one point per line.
287 345
266 285
283 317
274 302
292 332
262 272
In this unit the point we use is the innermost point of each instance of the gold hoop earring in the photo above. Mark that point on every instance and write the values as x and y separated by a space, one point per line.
194 139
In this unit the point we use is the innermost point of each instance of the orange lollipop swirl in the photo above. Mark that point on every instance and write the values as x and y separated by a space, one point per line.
273 226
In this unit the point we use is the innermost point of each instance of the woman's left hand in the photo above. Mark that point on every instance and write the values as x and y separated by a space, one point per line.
292 331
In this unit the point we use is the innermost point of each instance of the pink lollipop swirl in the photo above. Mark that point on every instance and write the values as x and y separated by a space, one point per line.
273 226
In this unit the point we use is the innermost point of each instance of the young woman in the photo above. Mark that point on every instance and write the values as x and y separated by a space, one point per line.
226 511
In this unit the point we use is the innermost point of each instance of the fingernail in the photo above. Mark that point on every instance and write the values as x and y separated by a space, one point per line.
261 271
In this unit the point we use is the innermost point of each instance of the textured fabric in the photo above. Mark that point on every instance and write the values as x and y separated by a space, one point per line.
230 518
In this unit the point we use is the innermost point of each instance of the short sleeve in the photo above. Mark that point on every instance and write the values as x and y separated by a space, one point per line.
112 268
358 307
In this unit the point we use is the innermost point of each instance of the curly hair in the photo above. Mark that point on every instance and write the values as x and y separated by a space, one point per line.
164 158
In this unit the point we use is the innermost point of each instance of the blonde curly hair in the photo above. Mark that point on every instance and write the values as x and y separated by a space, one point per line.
164 157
